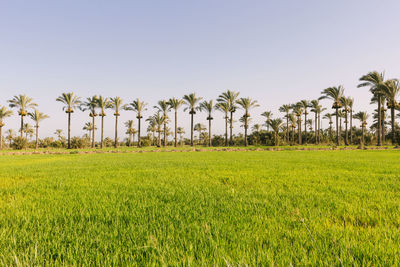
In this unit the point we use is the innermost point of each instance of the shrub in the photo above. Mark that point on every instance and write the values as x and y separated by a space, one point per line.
20 143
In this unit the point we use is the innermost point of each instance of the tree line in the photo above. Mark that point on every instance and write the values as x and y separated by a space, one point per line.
290 129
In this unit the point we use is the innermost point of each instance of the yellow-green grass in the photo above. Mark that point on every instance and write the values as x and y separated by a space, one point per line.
209 208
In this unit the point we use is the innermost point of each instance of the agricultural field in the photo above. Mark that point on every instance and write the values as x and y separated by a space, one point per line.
201 208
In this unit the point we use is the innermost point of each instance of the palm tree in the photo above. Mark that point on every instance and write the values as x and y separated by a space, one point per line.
4 113
391 90
151 128
315 107
37 117
298 111
375 81
71 102
175 104
268 116
350 102
28 130
191 101
335 94
246 104
22 103
292 119
286 109
158 121
103 104
117 104
208 106
329 117
362 117
89 127
276 125
164 108
224 107
59 133
345 104
199 128
91 104
139 107
10 136
256 127
305 104
130 130
229 97
181 132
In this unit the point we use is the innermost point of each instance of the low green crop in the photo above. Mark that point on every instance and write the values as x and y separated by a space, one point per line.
201 208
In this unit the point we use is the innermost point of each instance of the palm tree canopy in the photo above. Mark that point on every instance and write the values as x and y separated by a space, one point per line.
90 104
390 90
22 102
70 100
117 104
362 116
267 115
191 101
374 80
37 116
246 104
223 107
275 124
285 108
207 106
4 113
230 98
103 103
333 93
175 103
164 107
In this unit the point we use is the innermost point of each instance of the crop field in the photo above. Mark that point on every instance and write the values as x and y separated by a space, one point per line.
201 208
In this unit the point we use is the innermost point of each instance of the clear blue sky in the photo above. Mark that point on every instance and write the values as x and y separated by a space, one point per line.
274 51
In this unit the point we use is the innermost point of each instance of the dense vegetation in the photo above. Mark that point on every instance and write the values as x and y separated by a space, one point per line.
210 208
298 126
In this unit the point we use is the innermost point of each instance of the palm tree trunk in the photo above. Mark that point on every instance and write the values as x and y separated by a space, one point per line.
130 139
209 132
37 137
292 136
176 127
116 132
319 127
362 133
346 136
191 129
383 125
1 137
245 133
305 127
93 130
102 131
226 129
337 128
316 128
231 129
379 121
287 128
22 126
69 130
159 139
299 123
393 129
139 143
165 134
351 126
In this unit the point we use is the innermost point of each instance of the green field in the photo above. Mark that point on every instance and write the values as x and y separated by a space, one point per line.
201 208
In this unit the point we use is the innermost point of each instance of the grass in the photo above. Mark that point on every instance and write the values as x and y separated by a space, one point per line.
209 208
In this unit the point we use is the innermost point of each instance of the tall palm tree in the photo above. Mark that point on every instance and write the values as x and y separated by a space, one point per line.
130 130
181 132
286 109
71 102
91 104
391 90
199 128
103 103
362 117
246 104
117 104
164 107
315 107
298 111
158 119
268 116
375 81
4 113
305 104
175 104
208 106
229 97
139 107
346 109
335 94
89 128
37 117
224 107
191 102
22 103
276 125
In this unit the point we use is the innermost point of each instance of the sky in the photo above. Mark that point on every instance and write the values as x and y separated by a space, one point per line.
276 52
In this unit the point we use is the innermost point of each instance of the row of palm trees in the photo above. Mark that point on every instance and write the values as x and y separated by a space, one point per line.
383 92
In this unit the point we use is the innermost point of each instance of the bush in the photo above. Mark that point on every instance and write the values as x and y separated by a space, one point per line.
20 143
46 142
78 142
